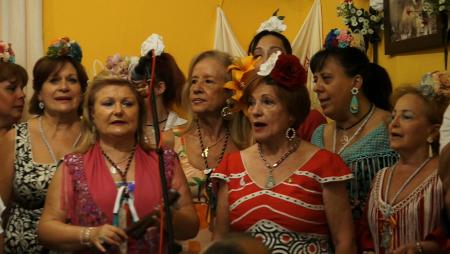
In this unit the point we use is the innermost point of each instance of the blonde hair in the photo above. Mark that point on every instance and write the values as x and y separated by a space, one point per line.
88 128
239 126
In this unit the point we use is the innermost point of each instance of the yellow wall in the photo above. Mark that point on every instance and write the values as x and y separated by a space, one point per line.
105 27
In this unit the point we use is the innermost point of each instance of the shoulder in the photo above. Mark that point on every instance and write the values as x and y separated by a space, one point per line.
328 167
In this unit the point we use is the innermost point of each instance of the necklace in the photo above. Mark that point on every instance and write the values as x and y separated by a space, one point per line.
123 174
347 139
205 150
160 122
357 122
270 179
388 218
47 144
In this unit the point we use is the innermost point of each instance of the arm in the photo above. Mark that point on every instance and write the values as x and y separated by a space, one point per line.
222 226
55 234
7 153
339 217
184 218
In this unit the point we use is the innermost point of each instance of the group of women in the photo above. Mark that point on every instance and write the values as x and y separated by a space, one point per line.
82 170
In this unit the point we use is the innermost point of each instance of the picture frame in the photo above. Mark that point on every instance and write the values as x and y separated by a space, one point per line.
407 28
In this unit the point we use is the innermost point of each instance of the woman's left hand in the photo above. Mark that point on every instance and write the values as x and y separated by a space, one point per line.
107 235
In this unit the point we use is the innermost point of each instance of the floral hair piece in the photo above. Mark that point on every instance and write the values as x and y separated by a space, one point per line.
435 83
285 70
6 53
241 71
153 42
274 23
65 47
120 66
343 39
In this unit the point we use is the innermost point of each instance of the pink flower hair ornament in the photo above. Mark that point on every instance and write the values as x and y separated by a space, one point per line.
6 52
65 47
343 39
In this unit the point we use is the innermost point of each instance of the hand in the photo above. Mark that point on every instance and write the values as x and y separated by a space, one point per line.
107 235
406 249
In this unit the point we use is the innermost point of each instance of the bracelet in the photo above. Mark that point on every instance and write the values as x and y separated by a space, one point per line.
419 248
85 236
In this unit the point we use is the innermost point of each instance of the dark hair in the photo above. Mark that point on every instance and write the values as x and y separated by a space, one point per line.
297 101
167 71
260 35
13 73
435 106
377 86
45 67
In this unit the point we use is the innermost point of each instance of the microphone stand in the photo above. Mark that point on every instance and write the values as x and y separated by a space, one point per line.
165 192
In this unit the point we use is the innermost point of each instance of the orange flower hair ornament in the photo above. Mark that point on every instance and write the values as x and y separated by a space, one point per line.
241 71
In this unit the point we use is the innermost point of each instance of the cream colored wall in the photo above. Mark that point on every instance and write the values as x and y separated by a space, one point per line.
105 27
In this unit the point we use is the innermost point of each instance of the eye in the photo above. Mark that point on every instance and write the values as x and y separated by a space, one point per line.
54 80
127 103
194 81
315 78
251 102
11 88
107 102
267 101
72 80
210 81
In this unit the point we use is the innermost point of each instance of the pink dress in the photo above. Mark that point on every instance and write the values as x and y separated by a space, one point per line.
289 217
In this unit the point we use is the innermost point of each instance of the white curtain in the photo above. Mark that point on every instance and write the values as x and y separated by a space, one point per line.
224 39
308 41
21 25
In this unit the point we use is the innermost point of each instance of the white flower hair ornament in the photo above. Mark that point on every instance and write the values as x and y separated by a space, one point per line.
274 23
153 42
267 67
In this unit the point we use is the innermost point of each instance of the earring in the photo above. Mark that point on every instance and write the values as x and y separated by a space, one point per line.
41 105
291 134
227 112
430 147
354 103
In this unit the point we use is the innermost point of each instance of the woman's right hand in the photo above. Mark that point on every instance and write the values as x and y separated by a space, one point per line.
105 235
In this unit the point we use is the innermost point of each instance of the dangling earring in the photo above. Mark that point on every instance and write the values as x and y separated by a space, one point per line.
430 147
354 103
41 105
227 112
291 134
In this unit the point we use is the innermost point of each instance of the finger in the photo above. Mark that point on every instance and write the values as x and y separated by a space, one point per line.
120 233
99 246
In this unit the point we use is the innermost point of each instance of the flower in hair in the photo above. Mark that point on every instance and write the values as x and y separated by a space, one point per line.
153 42
120 66
435 83
6 53
285 70
240 72
65 47
274 23
343 39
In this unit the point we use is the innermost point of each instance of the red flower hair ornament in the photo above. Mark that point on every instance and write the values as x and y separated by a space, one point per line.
285 70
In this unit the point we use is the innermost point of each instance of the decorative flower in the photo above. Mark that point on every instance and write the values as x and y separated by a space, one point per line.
288 72
269 64
441 80
65 47
240 71
120 66
6 53
358 20
153 42
432 8
274 23
343 38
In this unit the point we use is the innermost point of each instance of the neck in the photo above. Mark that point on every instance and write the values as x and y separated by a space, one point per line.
413 157
3 131
348 119
275 147
211 126
55 124
116 145
160 109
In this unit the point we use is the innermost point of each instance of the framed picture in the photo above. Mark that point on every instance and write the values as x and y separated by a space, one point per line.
408 28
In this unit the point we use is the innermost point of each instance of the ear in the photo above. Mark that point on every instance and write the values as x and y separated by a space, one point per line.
160 88
434 131
358 81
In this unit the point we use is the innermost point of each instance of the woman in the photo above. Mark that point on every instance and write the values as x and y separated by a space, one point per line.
263 45
282 189
355 94
13 78
32 150
209 136
406 199
112 181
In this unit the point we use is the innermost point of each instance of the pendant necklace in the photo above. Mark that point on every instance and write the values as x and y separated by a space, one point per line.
47 144
389 222
270 179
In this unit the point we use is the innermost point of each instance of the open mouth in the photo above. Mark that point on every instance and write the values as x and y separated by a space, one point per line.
118 122
197 101
258 125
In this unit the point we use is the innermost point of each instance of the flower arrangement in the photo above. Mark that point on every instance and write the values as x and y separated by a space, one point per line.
343 38
6 53
120 66
434 7
65 47
285 70
435 83
358 20
274 23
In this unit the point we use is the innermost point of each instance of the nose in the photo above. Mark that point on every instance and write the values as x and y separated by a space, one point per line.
394 122
64 86
255 110
118 110
19 92
317 87
197 88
